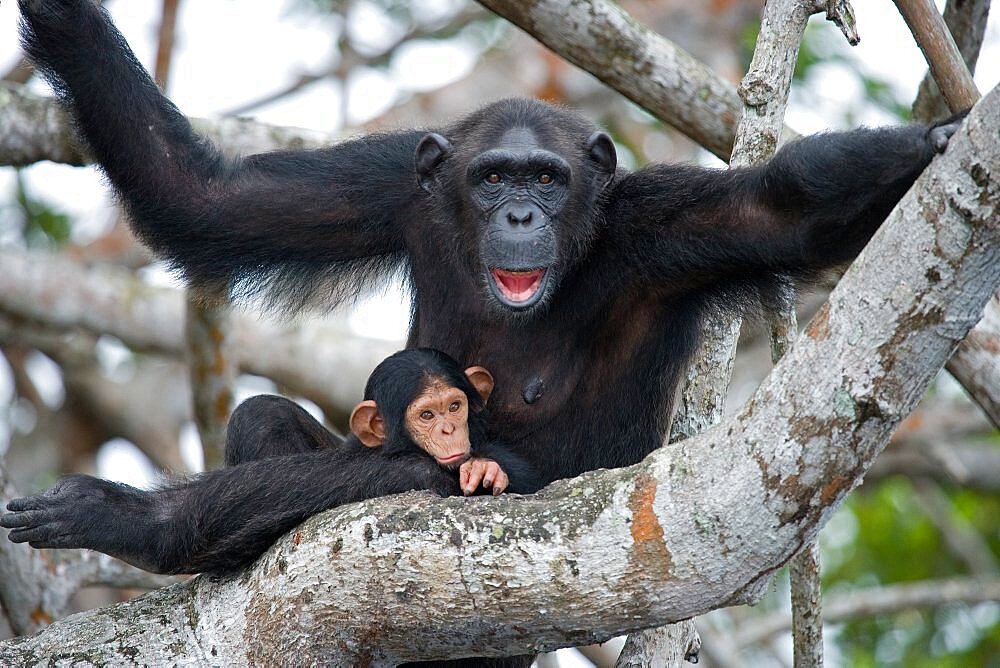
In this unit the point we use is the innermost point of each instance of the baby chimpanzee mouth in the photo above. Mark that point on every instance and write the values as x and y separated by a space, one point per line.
452 461
518 289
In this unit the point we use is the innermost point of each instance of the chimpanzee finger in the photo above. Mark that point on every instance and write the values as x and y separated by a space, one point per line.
30 534
464 471
24 519
25 503
500 484
476 471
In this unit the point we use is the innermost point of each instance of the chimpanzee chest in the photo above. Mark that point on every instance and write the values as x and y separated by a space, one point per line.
562 368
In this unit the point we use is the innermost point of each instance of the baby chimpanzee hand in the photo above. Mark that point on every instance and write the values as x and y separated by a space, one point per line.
484 471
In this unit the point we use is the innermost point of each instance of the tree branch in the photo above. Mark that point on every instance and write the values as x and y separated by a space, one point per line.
966 21
320 360
764 92
642 65
612 551
942 54
976 363
35 128
879 601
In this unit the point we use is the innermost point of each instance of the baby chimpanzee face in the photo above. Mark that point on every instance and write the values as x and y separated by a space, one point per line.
438 421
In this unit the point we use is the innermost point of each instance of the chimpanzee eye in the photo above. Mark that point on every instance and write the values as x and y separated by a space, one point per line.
454 406
493 178
545 178
426 415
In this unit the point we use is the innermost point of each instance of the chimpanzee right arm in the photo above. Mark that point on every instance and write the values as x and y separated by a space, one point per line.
218 521
302 223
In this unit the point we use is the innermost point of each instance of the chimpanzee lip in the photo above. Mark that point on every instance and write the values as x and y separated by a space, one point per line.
518 288
452 459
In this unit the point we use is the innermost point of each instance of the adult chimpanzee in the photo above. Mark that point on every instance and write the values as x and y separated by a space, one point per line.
421 426
582 287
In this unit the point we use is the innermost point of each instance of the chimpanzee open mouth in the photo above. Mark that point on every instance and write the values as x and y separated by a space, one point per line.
518 289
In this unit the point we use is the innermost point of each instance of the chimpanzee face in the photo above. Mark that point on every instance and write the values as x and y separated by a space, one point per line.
526 193
519 190
438 421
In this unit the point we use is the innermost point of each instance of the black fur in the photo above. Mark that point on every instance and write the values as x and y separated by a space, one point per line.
634 260
282 467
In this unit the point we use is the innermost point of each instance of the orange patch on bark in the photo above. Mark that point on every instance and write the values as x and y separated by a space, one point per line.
819 326
39 616
645 526
647 533
832 488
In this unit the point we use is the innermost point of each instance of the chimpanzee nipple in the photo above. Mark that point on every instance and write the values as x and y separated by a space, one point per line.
533 390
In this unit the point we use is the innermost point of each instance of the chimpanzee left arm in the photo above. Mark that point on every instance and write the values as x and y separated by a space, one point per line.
815 204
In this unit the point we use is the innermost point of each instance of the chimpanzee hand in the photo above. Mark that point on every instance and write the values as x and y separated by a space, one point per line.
478 471
79 511
941 132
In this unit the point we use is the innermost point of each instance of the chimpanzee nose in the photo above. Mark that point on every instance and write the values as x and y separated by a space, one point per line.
519 214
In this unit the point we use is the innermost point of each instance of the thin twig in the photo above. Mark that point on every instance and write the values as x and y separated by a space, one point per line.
966 21
943 56
879 601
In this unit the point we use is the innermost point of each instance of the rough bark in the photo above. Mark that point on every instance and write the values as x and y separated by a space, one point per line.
764 92
612 551
213 365
807 608
322 361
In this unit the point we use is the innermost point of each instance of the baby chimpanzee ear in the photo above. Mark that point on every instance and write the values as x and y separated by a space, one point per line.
367 424
482 380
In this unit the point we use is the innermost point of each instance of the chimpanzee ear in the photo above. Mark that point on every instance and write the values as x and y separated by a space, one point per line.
367 424
431 152
482 380
601 149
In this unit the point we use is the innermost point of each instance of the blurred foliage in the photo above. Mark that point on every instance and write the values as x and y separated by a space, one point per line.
42 225
895 542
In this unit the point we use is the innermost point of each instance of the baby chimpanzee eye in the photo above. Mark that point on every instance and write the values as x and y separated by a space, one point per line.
426 415
454 406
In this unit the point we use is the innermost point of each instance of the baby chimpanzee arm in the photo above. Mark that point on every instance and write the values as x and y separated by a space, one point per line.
219 521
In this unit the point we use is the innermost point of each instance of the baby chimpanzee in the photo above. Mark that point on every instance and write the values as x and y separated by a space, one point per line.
422 418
